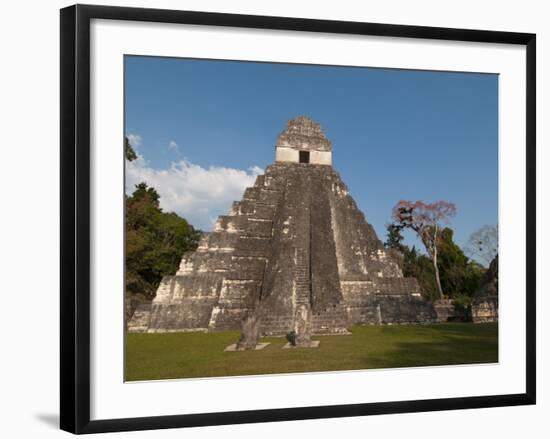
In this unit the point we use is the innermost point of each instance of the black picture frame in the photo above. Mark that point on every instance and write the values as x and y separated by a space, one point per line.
75 217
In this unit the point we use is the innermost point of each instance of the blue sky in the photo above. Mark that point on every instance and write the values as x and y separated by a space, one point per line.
205 129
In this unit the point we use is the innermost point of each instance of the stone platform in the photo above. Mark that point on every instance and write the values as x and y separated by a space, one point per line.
312 344
233 347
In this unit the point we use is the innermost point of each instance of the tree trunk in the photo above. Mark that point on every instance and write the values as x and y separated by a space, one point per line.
437 280
434 260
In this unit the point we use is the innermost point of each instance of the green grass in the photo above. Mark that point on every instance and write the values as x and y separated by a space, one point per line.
194 354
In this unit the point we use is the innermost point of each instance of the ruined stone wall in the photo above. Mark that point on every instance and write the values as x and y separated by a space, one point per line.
386 300
141 318
485 303
485 309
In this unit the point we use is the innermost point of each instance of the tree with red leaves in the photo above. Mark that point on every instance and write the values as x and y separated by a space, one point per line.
426 220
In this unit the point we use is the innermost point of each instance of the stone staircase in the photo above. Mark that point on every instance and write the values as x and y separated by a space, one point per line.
276 325
333 320
370 315
302 278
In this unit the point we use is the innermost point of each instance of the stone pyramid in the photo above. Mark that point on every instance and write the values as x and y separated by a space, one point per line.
296 238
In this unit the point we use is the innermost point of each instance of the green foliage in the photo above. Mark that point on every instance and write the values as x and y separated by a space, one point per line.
420 267
472 277
155 241
460 276
129 152
451 263
394 238
462 301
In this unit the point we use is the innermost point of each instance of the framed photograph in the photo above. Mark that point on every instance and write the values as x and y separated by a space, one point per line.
275 218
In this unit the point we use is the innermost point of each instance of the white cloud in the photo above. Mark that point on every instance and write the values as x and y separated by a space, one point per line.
197 194
135 140
174 147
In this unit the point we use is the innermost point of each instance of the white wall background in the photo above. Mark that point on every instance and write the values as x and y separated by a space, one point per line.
29 249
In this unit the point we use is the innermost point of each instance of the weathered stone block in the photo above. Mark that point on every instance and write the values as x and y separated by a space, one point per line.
251 193
141 318
485 309
253 246
247 267
257 227
269 196
264 211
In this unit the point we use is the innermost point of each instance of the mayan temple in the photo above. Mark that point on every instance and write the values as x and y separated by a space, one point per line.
295 241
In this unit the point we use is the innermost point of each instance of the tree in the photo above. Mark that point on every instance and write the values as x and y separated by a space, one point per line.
426 220
155 241
129 152
394 238
459 275
483 244
420 267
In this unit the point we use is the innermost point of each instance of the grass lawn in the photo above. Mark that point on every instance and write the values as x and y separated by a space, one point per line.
196 354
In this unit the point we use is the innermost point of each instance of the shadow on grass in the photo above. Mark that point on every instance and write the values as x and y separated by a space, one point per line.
452 344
